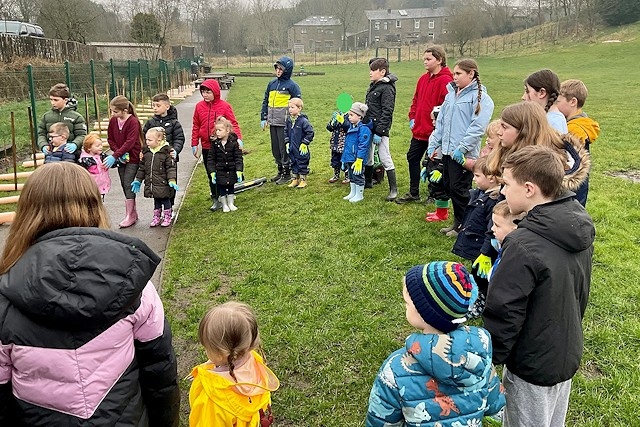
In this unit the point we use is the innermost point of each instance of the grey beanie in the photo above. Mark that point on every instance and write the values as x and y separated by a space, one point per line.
359 108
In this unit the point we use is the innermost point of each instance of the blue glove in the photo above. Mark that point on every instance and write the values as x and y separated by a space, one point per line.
173 185
173 154
263 124
377 139
45 149
213 177
109 161
436 176
70 147
458 157
423 175
412 122
240 143
135 186
430 151
239 176
194 150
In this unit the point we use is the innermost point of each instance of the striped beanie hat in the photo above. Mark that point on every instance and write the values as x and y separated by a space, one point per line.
442 292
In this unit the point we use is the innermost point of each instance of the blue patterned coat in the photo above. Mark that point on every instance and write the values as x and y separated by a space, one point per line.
445 380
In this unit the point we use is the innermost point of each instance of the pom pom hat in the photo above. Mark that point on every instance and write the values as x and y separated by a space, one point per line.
359 108
442 293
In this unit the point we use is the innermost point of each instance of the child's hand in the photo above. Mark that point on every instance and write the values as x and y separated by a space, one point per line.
340 118
239 176
173 154
436 176
240 144
194 150
70 147
458 157
173 185
135 186
304 149
213 177
412 123
263 124
357 167
423 175
377 139
45 150
483 263
109 161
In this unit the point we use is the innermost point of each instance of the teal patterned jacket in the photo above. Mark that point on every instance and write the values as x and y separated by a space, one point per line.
437 380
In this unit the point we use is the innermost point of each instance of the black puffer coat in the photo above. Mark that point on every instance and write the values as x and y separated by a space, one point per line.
83 336
381 100
225 160
157 169
172 129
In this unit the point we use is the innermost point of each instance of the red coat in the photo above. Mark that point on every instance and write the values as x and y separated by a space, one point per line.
430 92
206 113
125 140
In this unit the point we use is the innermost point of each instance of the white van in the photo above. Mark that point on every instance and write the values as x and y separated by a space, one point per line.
17 28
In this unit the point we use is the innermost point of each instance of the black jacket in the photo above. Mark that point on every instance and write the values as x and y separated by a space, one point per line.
225 160
539 292
381 100
84 340
157 169
475 237
172 129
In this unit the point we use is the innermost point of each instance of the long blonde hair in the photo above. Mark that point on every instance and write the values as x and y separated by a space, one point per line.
57 195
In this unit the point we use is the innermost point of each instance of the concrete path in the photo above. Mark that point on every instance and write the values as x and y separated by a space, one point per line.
156 237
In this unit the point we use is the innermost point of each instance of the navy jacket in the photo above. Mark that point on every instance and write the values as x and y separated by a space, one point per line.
475 237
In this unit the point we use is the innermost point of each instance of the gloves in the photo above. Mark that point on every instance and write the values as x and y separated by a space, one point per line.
45 149
240 143
173 154
357 167
194 150
304 149
286 147
377 139
70 147
173 185
412 122
436 176
239 175
458 157
483 262
340 118
109 161
423 175
430 152
213 177
135 186
263 124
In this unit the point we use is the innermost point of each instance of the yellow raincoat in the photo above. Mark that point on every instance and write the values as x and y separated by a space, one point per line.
216 400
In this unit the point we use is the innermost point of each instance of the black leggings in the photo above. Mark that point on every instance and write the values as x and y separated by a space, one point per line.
457 183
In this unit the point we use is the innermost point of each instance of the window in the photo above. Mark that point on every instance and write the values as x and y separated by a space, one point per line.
303 31
376 39
386 26
329 32
431 36
398 23
320 30
432 24
328 43
376 25
416 24
445 22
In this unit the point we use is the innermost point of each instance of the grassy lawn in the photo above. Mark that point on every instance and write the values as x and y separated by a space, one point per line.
324 275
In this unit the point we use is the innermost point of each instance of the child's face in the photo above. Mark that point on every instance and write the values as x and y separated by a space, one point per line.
502 225
96 147
153 139
462 78
430 62
492 140
160 108
57 139
57 103
413 317
119 114
375 75
530 94
566 106
483 182
515 193
221 131
354 118
507 134
279 70
207 94
294 110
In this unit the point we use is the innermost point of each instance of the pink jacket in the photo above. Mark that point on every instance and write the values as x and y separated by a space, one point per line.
98 173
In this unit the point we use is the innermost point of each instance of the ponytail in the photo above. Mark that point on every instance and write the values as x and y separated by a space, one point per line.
477 111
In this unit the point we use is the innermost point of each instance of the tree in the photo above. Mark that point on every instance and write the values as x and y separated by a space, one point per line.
465 24
619 12
146 29
350 13
71 19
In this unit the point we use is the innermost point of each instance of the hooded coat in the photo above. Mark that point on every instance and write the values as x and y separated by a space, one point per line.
83 336
539 293
381 100
437 380
225 160
278 93
172 129
430 92
70 117
206 113
157 169
584 128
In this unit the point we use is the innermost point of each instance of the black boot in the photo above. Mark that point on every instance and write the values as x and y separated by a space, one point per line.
393 187
368 175
286 176
277 177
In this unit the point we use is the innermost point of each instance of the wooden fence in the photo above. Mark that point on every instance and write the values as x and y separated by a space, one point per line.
12 47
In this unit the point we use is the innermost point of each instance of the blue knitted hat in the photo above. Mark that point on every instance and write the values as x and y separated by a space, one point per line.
442 293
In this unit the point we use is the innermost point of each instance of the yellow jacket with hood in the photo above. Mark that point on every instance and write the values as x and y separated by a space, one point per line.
216 400
584 127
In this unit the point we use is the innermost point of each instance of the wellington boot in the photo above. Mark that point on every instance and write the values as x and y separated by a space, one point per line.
157 219
368 177
359 194
225 205
393 186
231 198
352 193
166 218
131 216
441 214
453 227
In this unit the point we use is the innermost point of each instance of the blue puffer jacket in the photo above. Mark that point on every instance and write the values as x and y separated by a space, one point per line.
60 155
356 143
279 91
457 125
437 380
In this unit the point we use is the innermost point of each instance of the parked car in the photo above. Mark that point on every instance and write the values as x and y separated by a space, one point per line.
17 28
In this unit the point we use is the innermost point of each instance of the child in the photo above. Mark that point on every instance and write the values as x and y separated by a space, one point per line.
274 114
165 115
158 171
205 116
573 94
381 100
233 388
444 372
539 293
91 159
338 127
543 88
462 121
504 222
125 138
356 149
84 340
491 138
430 92
57 148
225 160
65 112
298 134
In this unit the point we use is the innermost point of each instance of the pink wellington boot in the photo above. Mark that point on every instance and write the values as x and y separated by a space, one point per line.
156 218
131 216
166 218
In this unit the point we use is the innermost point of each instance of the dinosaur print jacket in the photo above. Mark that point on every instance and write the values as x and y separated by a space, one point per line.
437 380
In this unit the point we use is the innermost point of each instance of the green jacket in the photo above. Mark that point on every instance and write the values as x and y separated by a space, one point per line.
74 121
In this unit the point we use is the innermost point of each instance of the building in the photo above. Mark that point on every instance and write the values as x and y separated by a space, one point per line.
316 34
402 26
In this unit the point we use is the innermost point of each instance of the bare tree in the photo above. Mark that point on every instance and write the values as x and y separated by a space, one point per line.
70 19
350 13
465 24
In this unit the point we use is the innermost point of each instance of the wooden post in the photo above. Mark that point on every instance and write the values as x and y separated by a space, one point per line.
33 139
13 147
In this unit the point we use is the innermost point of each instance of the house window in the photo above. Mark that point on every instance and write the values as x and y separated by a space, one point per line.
445 22
376 25
431 36
320 30
329 32
416 24
328 43
386 26
398 23
432 24
303 31
376 39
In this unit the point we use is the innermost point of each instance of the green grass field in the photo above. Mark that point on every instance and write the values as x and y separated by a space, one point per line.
325 275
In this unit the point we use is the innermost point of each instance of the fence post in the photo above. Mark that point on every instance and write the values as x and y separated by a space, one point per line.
112 86
32 96
129 70
336 56
399 54
148 81
93 88
67 75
